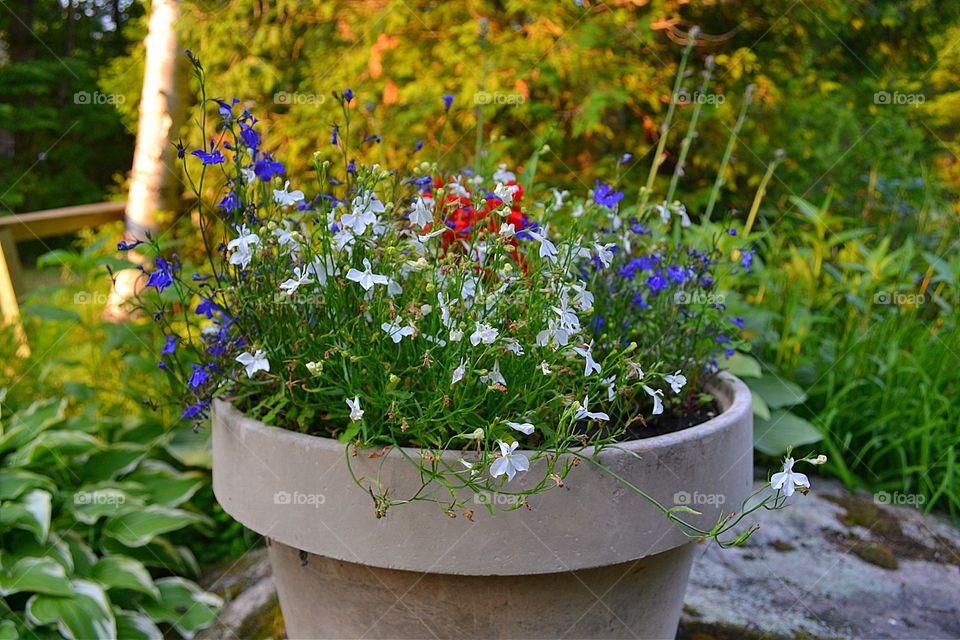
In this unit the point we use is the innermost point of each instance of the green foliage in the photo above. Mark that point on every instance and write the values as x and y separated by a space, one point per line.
69 490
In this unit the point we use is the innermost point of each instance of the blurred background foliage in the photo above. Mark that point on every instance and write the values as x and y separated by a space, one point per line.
855 292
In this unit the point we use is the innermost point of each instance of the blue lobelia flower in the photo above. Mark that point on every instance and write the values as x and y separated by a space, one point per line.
207 308
196 411
266 167
250 136
162 277
447 102
348 95
127 246
169 346
657 282
209 157
334 135
746 259
230 202
677 273
604 194
199 376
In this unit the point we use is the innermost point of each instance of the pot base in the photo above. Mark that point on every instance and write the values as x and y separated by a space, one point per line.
326 598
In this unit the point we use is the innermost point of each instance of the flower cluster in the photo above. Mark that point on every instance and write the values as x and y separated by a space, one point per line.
428 310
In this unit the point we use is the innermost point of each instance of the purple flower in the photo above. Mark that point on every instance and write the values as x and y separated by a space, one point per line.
266 167
226 109
638 301
127 246
347 95
335 134
625 158
424 183
209 157
250 136
604 194
195 411
677 273
162 277
418 146
731 231
657 282
737 322
447 102
230 202
169 346
199 376
352 167
746 259
206 308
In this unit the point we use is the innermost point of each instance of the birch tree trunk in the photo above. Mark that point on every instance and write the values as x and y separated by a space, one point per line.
155 184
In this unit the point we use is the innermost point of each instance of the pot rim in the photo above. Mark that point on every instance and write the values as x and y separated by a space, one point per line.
725 386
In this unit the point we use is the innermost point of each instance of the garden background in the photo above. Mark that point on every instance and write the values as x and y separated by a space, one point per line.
851 132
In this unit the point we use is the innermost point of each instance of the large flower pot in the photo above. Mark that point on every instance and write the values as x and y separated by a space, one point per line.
589 560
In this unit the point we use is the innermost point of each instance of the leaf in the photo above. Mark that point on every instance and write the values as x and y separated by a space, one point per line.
167 488
31 512
15 482
8 630
38 417
84 615
760 408
184 605
191 449
783 430
112 462
60 444
121 572
743 366
777 392
137 528
36 575
89 504
132 625
50 313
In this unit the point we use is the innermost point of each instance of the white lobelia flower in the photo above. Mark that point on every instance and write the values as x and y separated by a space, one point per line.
242 247
509 461
502 175
604 253
483 333
393 288
253 363
684 218
397 330
634 370
287 199
322 268
422 213
582 299
287 237
366 278
788 479
611 388
664 212
548 250
456 188
584 412
343 238
356 413
505 192
545 368
657 402
507 230
525 428
494 376
676 381
363 212
249 175
459 372
558 197
301 276
591 364
514 346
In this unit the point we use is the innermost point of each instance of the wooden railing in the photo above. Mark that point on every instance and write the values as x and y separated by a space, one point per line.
37 226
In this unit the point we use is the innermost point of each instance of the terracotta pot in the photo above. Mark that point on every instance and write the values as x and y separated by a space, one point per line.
591 559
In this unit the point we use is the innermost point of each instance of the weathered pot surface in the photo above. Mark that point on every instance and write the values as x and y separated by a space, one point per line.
297 489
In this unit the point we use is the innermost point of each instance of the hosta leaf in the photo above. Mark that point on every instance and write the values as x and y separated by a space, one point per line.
137 528
24 426
121 572
36 575
136 626
90 504
167 487
15 482
58 444
8 630
84 615
776 392
113 462
781 431
184 605
760 408
743 366
191 449
30 512
26 546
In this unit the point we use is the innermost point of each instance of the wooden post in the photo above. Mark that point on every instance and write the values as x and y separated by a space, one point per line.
11 282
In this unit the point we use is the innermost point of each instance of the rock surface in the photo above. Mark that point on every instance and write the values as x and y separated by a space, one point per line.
832 565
